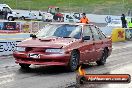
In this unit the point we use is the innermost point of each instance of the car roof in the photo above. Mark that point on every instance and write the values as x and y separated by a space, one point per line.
72 23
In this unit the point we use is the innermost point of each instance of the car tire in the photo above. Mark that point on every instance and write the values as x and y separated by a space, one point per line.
22 18
103 58
10 18
74 61
24 66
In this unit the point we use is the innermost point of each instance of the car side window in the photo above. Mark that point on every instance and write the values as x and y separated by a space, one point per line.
95 33
87 32
6 9
102 36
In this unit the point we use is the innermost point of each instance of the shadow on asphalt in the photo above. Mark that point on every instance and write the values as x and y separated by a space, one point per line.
56 70
50 70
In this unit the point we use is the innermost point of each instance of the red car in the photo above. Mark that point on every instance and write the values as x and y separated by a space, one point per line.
64 44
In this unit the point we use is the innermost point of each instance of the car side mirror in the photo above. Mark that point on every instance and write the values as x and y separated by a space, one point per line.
86 38
33 36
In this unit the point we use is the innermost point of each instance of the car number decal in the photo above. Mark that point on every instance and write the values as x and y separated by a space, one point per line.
31 55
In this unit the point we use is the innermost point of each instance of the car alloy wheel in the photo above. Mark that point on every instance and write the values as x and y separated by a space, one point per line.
102 61
10 18
24 66
74 61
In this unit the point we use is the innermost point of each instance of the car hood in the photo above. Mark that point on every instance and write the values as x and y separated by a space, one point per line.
47 42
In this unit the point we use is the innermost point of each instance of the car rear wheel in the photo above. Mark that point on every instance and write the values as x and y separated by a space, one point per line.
102 60
24 65
74 61
10 18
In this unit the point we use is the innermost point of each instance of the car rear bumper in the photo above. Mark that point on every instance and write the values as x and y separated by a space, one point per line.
48 60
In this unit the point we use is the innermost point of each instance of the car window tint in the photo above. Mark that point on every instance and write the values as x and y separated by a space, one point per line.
76 33
68 31
6 9
102 36
62 31
87 32
65 31
95 33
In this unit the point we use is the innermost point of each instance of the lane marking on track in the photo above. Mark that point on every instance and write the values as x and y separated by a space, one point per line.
8 78
7 81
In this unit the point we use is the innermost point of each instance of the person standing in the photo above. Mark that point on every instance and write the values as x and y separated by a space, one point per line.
84 19
123 20
5 13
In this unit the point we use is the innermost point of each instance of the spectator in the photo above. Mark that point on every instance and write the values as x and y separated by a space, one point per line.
5 13
124 22
40 13
84 19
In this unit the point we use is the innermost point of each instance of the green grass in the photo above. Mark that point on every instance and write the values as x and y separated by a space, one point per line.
88 6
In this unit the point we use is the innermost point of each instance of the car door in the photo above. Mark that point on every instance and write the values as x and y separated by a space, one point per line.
97 42
87 48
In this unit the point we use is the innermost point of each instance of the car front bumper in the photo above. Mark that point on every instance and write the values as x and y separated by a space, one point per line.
48 60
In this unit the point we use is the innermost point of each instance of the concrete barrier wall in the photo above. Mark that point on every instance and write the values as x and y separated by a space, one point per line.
7 47
118 35
14 36
21 27
8 42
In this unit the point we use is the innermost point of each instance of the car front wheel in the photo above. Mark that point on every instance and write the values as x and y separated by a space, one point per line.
103 58
24 65
74 61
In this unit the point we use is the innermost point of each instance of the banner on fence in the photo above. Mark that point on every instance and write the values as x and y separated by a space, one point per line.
17 27
26 27
118 35
35 27
10 27
128 33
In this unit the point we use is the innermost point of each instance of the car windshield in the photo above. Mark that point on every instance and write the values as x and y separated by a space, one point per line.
60 30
